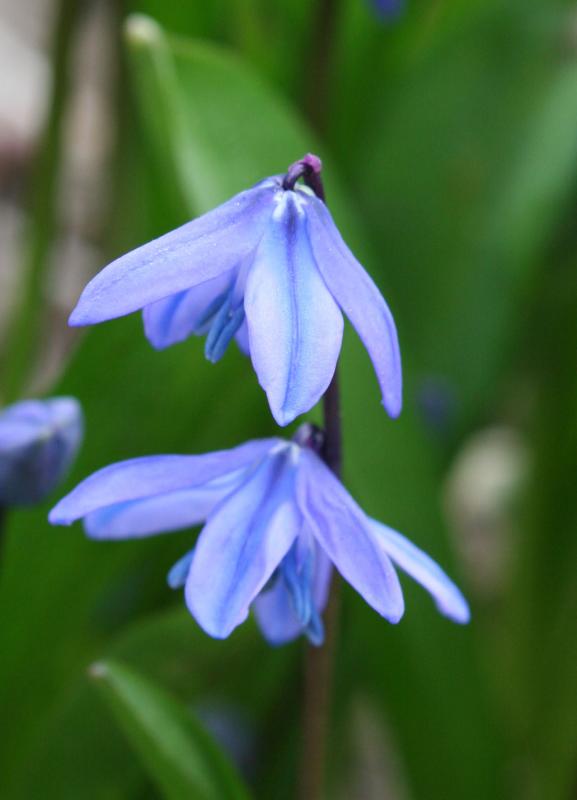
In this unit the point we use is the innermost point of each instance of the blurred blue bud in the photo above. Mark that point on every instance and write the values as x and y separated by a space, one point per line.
388 9
39 440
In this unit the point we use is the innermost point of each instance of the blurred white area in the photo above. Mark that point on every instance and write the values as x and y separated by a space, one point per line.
482 488
26 30
376 768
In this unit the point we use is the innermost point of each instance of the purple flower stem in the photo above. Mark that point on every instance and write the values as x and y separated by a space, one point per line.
321 63
319 661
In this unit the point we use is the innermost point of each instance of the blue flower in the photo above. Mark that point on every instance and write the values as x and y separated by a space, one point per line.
276 520
39 440
270 269
388 9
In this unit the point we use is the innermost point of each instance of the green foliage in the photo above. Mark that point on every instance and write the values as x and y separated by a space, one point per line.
173 747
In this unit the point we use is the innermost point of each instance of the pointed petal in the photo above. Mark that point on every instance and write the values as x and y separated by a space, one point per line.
448 598
241 546
360 299
178 574
141 478
192 254
161 513
294 324
176 317
242 338
342 530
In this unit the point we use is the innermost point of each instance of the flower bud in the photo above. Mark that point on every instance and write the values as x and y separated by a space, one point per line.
39 440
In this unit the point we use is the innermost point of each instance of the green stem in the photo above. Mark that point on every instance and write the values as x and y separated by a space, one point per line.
24 329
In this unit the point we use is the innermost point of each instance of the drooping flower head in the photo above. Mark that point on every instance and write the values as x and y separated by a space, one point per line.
39 440
276 520
268 268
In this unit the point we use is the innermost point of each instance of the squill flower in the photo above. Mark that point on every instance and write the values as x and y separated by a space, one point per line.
275 520
268 268
39 440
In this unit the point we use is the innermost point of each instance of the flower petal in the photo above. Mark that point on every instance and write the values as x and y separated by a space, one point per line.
343 531
141 478
161 513
360 299
448 598
275 614
241 546
274 609
178 574
173 319
241 337
294 324
194 253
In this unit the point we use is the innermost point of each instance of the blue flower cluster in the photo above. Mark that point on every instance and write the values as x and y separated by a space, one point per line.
269 269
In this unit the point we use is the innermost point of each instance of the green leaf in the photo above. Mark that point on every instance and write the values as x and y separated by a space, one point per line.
174 748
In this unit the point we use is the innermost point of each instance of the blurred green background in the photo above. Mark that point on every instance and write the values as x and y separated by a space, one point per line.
449 139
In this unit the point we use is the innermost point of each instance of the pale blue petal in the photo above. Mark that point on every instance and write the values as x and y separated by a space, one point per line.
275 614
343 531
424 570
242 544
295 326
172 511
274 608
242 338
178 574
192 254
141 478
360 299
175 318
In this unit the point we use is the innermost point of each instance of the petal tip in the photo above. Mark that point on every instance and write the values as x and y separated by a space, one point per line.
393 404
459 611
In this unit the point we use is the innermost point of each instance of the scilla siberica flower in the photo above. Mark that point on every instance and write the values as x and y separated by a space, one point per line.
39 440
268 268
276 520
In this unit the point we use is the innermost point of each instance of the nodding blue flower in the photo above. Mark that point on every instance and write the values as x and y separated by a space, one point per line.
39 440
270 269
276 520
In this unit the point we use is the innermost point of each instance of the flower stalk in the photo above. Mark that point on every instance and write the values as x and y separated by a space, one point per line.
319 661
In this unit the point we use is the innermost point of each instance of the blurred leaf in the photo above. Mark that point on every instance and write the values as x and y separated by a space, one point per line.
464 209
173 746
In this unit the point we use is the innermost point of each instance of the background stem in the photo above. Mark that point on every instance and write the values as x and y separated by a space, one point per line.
24 329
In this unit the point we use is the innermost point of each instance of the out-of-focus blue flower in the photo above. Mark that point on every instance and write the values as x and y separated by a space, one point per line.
39 440
388 9
276 519
270 269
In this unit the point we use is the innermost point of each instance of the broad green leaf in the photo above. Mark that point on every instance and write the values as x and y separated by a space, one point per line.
173 746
